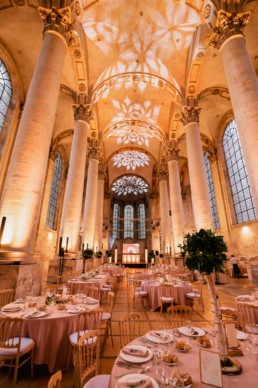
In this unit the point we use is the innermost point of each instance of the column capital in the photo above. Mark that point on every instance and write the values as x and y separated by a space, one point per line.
190 114
227 25
57 20
173 151
83 112
102 174
163 175
94 153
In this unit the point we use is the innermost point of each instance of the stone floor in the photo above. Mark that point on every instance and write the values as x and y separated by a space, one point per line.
149 320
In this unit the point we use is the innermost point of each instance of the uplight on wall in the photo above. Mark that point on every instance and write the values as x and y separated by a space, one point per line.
115 255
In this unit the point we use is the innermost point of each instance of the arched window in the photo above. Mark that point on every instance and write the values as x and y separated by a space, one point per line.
141 221
128 221
5 92
54 194
214 210
116 221
239 183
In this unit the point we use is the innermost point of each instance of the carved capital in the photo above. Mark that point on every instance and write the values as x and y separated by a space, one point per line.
190 114
94 153
163 175
102 174
173 151
83 112
228 25
58 20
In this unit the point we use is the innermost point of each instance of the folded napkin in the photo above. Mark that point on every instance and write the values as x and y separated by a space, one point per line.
244 298
143 383
161 336
11 307
33 315
135 352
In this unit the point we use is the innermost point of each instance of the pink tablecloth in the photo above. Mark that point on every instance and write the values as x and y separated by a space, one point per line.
153 289
51 335
189 362
81 285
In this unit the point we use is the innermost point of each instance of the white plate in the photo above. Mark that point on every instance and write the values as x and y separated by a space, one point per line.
75 310
11 308
186 331
241 336
135 359
39 314
21 300
164 337
134 378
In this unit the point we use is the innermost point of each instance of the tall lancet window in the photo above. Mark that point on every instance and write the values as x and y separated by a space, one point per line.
128 221
141 221
52 212
239 183
116 221
5 92
213 203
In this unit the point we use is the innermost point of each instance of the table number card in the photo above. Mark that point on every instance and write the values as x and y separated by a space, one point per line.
230 330
210 368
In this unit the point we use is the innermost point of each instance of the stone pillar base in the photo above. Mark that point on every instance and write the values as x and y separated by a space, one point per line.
24 277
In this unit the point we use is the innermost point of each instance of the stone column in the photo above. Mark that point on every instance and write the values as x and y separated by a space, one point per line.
24 184
242 82
71 216
164 213
100 211
198 179
176 203
90 206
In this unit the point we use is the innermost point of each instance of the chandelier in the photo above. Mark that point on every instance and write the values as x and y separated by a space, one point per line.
130 185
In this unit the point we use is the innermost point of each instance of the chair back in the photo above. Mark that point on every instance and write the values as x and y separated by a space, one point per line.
55 380
229 315
88 355
10 332
110 302
92 292
249 313
129 327
89 320
178 315
166 290
6 296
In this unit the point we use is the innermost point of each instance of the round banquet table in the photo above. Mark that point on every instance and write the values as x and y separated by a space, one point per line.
153 288
51 335
189 362
79 285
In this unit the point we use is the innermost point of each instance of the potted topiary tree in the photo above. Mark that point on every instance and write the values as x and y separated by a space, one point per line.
87 255
206 253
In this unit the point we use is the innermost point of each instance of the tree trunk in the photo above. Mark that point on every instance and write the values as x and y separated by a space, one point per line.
222 343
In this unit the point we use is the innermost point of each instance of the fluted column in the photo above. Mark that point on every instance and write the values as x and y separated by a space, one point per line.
71 216
164 213
100 210
90 206
228 36
24 184
176 202
198 179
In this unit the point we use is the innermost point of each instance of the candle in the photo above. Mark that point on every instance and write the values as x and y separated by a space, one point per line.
146 255
66 246
115 255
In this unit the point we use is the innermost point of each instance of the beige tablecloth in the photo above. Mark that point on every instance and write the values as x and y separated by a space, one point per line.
77 286
189 362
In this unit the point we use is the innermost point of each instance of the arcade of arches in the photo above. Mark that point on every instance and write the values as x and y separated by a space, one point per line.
125 125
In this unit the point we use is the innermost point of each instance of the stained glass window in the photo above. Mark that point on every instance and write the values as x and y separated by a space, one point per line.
54 194
128 221
239 183
214 209
141 221
5 92
116 221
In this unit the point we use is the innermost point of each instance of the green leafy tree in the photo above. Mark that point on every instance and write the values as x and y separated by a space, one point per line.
206 253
